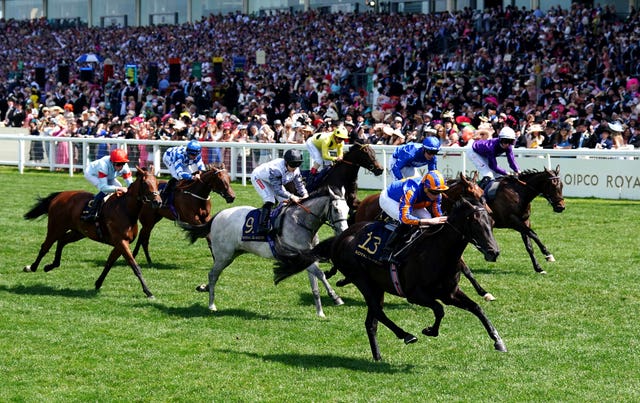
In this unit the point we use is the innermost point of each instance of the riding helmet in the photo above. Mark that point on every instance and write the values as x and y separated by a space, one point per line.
341 133
434 182
431 143
194 147
507 133
293 158
119 155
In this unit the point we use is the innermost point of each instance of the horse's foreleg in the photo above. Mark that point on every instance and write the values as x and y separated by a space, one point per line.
315 291
143 240
126 252
113 256
69 237
460 300
320 275
527 244
469 275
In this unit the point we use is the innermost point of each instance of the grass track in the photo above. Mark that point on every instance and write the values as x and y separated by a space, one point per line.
572 335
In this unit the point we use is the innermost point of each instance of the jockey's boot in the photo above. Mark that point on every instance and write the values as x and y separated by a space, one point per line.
484 181
93 208
389 254
168 190
265 213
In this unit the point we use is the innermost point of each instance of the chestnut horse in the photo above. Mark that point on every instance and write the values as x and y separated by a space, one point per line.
428 277
116 226
191 203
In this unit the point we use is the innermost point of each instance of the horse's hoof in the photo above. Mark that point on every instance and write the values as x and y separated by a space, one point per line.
409 339
213 308
542 272
429 331
499 345
321 315
151 296
489 297
550 258
338 301
27 269
48 268
203 288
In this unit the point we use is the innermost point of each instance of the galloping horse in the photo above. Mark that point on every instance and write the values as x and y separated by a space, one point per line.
369 210
296 225
191 203
117 226
431 271
511 205
345 172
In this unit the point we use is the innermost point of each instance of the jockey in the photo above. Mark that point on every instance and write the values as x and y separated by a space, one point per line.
407 157
483 154
102 174
412 201
269 180
182 161
320 144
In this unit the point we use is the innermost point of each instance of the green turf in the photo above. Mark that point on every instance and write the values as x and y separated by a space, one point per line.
572 335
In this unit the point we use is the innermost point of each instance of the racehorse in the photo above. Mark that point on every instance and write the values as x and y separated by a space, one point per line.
296 229
117 225
191 203
430 272
511 206
369 210
345 172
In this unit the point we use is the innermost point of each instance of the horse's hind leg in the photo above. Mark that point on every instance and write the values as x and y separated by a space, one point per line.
469 275
68 238
44 248
460 300
548 256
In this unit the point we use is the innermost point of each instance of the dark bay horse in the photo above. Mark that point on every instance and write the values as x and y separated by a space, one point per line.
345 173
116 226
430 273
296 230
511 205
191 203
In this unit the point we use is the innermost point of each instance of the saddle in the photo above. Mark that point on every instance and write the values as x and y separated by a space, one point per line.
250 228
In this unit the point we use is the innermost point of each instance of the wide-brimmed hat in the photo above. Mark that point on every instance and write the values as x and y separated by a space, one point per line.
536 127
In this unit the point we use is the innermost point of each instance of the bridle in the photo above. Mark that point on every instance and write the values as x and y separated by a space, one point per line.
215 172
330 222
146 197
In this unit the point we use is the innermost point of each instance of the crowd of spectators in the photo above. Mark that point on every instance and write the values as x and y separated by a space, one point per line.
565 78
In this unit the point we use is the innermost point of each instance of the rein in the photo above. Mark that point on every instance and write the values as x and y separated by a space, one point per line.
538 192
308 211
189 185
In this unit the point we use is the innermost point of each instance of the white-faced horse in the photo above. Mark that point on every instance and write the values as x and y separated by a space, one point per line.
295 231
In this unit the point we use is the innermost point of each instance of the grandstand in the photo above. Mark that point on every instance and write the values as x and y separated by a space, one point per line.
105 13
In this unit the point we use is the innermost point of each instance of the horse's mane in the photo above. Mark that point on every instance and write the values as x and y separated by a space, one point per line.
214 166
321 191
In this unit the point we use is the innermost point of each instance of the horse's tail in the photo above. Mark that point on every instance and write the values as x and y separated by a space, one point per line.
41 207
287 267
193 232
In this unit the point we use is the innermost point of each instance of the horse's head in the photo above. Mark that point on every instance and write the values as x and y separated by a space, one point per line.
364 155
328 204
218 179
148 188
552 189
472 219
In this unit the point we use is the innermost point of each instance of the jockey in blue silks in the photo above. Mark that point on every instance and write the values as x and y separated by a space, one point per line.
412 201
182 162
407 157
483 154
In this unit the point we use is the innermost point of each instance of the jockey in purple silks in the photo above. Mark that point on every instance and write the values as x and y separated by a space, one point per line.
483 154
